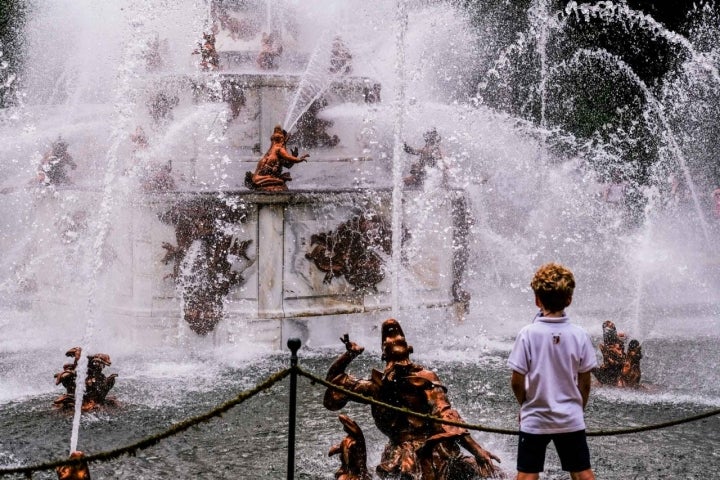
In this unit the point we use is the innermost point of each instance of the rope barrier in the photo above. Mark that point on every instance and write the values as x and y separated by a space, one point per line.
501 431
275 378
364 399
154 439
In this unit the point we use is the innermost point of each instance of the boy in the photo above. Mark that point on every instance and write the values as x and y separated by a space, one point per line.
551 362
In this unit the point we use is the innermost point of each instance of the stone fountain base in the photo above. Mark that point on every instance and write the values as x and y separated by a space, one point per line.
283 289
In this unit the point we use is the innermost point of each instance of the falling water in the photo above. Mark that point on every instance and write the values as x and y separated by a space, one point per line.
401 20
527 211
658 109
539 18
314 82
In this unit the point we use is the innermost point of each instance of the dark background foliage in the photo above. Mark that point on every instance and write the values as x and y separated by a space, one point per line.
12 17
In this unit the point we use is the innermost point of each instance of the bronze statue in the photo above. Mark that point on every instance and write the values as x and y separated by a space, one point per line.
268 175
51 170
97 384
618 368
270 51
429 155
612 350
209 58
210 277
630 373
349 250
311 130
352 452
74 472
417 449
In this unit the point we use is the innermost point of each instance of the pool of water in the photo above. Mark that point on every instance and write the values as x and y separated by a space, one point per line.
160 388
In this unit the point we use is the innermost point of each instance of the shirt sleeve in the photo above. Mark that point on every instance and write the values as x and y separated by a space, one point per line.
519 359
589 359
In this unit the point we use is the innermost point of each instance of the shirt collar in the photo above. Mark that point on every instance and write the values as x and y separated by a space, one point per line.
540 318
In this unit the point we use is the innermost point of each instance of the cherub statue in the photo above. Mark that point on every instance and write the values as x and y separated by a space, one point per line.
268 175
352 452
67 378
340 57
209 58
618 368
630 373
612 350
52 166
74 472
270 51
430 154
155 52
97 385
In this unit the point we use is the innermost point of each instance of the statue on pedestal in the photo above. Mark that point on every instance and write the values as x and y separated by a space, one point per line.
417 449
268 175
208 276
311 131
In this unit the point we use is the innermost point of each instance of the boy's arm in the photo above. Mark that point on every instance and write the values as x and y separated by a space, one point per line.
517 382
583 385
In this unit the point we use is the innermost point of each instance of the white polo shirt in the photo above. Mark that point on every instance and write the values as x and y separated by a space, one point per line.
550 352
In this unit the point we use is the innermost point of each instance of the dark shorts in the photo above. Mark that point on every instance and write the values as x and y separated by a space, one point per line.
571 447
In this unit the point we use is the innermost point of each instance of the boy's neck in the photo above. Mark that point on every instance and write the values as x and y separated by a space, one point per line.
549 314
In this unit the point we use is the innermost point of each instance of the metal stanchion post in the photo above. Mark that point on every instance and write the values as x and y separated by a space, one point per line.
294 345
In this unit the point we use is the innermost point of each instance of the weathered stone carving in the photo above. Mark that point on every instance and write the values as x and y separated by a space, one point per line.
311 131
206 278
350 250
161 105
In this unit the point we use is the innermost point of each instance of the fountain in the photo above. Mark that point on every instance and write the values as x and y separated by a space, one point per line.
153 250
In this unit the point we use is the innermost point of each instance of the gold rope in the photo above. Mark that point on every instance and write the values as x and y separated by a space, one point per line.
153 439
272 380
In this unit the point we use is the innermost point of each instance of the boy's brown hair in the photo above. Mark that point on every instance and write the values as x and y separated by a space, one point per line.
553 285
